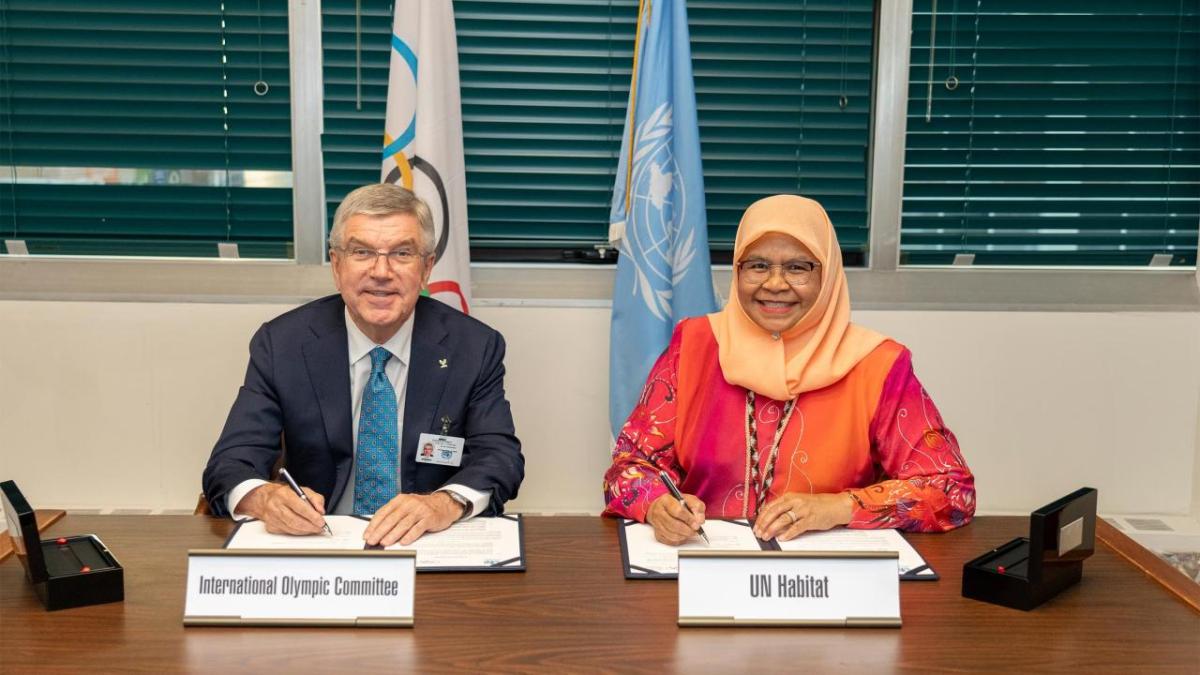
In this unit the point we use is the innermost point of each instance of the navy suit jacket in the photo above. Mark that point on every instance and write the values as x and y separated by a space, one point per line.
297 392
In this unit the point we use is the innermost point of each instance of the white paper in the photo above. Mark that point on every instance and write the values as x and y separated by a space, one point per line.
647 553
477 543
347 536
844 539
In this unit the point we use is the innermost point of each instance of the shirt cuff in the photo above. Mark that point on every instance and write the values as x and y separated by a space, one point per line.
479 500
652 489
237 493
861 515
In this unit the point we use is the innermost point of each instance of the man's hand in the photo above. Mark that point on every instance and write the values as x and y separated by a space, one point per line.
282 511
794 513
408 516
672 523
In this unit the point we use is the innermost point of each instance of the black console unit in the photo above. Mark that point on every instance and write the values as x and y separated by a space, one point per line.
65 572
1024 573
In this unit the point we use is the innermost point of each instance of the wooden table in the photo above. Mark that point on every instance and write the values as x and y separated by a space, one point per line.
44 519
573 611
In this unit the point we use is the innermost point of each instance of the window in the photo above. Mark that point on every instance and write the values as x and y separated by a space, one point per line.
544 87
1062 132
132 127
544 92
784 96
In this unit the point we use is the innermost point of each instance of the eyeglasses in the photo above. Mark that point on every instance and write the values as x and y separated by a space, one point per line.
400 257
795 272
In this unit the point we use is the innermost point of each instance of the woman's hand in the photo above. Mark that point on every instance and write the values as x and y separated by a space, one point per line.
672 523
794 513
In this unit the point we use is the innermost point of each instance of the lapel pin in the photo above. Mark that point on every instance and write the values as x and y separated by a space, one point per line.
442 363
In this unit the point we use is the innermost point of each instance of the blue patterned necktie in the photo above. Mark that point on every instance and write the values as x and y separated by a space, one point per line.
378 440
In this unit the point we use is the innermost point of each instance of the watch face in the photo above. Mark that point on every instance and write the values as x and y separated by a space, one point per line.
462 501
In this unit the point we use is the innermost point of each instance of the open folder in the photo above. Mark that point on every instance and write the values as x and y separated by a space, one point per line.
475 545
645 558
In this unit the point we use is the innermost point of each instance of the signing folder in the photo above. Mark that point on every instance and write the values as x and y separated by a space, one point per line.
477 545
912 566
645 558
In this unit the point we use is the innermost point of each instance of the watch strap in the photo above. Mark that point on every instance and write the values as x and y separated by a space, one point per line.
462 501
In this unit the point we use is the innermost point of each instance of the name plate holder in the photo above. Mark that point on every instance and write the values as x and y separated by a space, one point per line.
849 589
278 587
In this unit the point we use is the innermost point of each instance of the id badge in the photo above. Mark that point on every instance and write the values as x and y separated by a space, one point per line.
443 450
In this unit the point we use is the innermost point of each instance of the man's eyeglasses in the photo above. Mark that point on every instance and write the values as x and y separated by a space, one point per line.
795 272
399 257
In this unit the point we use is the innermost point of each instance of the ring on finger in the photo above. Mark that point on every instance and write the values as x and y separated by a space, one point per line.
791 517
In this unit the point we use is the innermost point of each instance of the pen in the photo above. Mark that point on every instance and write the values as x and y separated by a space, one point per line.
300 493
662 475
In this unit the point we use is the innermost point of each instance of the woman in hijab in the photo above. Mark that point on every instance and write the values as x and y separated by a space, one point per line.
780 410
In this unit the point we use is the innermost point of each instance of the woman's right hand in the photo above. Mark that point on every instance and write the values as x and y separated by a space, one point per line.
672 523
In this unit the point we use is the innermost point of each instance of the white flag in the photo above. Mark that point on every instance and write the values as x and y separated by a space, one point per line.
423 143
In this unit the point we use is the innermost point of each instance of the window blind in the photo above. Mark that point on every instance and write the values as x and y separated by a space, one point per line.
131 127
544 92
1071 138
784 96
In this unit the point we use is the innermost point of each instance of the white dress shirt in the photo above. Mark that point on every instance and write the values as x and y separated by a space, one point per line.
396 370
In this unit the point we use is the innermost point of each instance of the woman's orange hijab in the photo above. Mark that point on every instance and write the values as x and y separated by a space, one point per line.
823 346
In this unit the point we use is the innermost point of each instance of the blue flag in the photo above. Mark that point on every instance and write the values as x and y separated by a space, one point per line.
658 221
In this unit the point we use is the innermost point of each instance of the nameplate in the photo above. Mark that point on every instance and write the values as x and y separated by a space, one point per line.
789 588
249 587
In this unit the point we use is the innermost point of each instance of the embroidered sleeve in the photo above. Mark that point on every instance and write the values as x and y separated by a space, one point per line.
647 442
926 485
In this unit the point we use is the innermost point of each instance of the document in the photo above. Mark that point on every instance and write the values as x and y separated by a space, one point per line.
494 543
646 558
347 536
479 544
912 565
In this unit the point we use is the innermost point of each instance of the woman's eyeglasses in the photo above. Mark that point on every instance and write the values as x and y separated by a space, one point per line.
795 272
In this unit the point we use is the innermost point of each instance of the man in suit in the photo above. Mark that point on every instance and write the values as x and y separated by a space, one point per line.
353 385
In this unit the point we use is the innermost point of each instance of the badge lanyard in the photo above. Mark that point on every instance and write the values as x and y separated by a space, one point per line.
762 487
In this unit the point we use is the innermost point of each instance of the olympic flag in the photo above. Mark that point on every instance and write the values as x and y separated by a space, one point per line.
423 140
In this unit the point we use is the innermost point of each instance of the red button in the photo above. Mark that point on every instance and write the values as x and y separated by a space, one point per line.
1000 569
60 541
86 569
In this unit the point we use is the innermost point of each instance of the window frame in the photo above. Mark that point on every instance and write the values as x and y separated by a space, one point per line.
882 284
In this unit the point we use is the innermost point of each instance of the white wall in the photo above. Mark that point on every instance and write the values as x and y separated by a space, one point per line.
116 405
1196 474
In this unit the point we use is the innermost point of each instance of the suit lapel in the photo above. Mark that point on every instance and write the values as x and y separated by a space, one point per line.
327 358
428 368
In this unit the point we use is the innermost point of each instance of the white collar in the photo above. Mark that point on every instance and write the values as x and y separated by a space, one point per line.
399 344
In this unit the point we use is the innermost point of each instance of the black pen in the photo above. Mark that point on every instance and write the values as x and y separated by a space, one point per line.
666 479
300 493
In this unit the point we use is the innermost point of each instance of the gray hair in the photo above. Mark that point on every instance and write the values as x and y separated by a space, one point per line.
382 199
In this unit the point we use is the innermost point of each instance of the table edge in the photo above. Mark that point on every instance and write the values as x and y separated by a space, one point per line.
1171 579
45 518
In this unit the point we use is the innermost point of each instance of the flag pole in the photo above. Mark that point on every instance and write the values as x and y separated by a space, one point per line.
643 6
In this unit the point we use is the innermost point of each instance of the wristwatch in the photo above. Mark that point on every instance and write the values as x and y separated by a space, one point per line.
461 501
